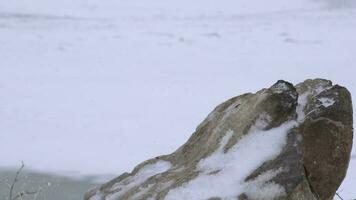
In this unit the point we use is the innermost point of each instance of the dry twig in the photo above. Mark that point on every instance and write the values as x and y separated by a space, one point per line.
12 186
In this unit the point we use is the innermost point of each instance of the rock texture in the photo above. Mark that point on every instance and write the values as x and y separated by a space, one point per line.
285 142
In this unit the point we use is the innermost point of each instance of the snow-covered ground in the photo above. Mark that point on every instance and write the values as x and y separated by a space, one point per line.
95 87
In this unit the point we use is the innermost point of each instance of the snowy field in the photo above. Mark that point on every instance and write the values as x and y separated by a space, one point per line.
94 87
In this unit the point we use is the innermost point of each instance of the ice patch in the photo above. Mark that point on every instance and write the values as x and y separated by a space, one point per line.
225 173
326 102
145 173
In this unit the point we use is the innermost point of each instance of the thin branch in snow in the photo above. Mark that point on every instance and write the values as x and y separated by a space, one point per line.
24 193
21 194
16 179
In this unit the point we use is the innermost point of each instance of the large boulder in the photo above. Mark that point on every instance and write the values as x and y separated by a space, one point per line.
285 142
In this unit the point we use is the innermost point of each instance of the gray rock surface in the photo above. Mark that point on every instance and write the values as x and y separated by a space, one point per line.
283 142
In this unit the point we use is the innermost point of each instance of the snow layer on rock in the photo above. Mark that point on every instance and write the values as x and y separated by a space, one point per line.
261 189
263 121
326 102
96 197
302 101
280 88
142 191
133 181
226 171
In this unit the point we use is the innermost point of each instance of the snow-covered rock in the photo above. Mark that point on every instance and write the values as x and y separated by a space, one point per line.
283 142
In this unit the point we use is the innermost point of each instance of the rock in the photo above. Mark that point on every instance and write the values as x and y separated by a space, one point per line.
327 136
283 143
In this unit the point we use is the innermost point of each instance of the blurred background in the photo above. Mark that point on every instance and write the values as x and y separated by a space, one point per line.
91 88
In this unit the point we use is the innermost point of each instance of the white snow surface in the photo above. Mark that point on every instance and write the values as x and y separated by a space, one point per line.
95 87
222 174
